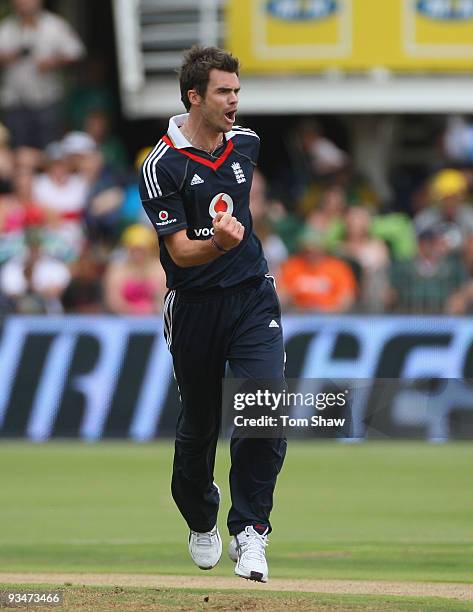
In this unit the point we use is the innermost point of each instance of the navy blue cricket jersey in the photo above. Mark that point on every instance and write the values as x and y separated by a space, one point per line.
182 187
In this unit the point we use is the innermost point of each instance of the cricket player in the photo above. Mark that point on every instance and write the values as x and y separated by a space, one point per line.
221 306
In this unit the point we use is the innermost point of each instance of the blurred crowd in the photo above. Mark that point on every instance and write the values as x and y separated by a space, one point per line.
74 238
341 247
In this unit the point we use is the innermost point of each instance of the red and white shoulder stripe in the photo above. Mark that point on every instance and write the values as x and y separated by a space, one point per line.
238 130
149 169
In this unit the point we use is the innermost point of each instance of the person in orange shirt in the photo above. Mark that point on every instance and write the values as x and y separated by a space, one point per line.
314 280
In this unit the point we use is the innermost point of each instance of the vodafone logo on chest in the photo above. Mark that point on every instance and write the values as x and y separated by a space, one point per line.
163 215
222 202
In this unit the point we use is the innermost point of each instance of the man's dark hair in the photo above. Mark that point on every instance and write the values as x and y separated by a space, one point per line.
196 67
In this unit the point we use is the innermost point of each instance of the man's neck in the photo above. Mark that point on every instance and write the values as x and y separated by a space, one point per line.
29 20
200 135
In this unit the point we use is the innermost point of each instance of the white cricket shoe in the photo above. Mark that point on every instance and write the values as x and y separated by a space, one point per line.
249 547
232 550
205 548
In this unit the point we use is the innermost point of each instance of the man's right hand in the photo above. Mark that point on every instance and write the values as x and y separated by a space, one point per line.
228 231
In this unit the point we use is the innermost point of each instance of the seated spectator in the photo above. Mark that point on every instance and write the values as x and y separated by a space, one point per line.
132 210
91 89
135 283
451 213
28 160
105 186
286 225
397 231
314 280
461 301
274 249
62 194
7 160
97 125
35 282
328 217
84 293
369 253
425 284
18 214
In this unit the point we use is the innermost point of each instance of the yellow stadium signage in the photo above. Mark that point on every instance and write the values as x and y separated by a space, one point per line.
308 35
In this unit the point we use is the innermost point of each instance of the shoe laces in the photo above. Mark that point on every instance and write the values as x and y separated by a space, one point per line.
205 538
253 544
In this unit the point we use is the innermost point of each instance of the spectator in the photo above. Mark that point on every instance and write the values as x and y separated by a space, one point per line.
369 254
451 213
274 248
135 284
18 214
105 186
425 284
6 161
63 195
314 159
84 293
397 231
34 46
91 91
461 301
314 280
458 140
35 282
132 210
327 217
322 156
97 125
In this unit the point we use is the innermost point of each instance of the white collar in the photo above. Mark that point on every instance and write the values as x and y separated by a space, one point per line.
177 137
175 133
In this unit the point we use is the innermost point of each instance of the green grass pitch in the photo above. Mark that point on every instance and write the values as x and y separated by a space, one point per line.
397 511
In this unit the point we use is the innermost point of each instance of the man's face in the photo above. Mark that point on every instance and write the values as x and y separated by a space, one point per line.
218 107
27 7
450 205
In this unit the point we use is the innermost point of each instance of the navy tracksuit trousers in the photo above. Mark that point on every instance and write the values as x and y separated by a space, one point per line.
205 331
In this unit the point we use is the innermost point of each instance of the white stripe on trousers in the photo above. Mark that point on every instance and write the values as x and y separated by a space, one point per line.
168 314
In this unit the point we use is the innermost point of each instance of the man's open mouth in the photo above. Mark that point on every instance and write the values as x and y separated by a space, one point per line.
231 115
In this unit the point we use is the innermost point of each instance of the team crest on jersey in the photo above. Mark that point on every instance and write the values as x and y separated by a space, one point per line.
446 9
222 202
302 10
238 172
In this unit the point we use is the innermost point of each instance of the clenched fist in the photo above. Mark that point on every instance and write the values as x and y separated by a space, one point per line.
228 231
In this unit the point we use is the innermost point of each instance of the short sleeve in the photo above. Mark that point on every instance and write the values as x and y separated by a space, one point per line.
256 148
67 42
247 142
8 44
162 201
